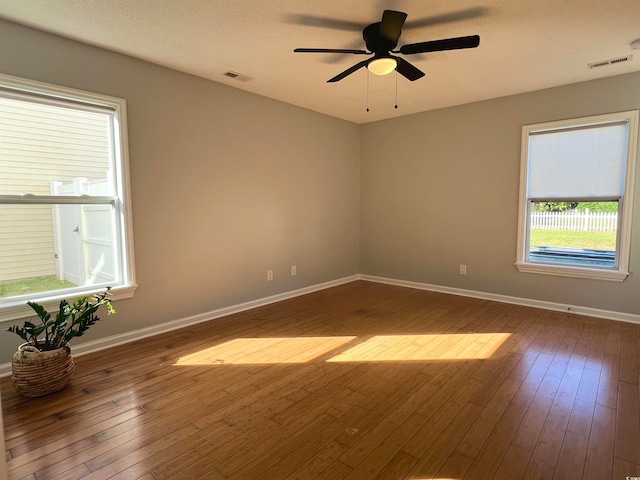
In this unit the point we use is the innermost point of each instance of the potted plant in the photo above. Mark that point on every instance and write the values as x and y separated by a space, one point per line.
44 364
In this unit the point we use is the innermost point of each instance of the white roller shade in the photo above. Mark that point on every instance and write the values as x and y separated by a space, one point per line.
583 162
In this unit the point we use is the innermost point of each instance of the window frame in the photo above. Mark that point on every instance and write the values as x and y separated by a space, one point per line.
625 206
15 307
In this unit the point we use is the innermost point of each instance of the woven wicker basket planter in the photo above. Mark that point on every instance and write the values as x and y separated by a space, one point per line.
36 373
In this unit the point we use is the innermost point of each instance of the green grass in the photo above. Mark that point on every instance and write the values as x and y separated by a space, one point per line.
574 239
32 285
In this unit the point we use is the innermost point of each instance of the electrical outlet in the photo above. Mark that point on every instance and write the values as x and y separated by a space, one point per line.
269 275
462 270
294 270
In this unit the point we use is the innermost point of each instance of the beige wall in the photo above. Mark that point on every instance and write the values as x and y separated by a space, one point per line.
225 184
444 192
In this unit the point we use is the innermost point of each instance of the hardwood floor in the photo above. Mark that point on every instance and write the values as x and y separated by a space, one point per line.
361 381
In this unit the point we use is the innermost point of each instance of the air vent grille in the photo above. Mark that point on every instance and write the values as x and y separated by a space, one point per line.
237 76
611 61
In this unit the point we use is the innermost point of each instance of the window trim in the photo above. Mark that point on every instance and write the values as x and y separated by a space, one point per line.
16 86
618 274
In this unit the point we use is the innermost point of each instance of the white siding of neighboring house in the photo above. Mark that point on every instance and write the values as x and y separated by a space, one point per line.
40 144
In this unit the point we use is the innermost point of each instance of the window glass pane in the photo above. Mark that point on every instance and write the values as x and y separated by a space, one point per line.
53 247
45 149
578 163
576 196
575 233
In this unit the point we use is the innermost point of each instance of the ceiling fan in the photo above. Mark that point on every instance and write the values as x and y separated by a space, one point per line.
382 37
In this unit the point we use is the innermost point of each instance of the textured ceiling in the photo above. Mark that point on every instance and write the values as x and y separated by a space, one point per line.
525 45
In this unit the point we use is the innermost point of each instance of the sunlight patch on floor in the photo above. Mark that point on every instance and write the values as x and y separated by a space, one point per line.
249 351
395 348
380 348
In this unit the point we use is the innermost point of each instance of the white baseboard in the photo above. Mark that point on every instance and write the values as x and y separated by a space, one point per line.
114 340
560 307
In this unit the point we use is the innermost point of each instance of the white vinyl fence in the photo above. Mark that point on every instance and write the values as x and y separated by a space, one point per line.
574 220
84 235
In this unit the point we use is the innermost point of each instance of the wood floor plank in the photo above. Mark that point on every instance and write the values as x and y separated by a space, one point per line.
359 381
57 454
585 402
301 454
74 473
477 435
599 458
627 446
51 432
598 343
384 452
271 461
398 467
571 458
321 460
202 457
608 384
545 454
628 362
583 342
495 381
533 421
337 471
456 466
514 464
624 469
613 345
420 443
391 417
131 454
435 458
500 438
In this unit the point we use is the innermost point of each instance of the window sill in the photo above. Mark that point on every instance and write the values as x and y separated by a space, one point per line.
572 271
12 311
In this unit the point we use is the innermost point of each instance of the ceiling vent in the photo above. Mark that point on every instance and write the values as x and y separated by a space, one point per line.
237 76
612 61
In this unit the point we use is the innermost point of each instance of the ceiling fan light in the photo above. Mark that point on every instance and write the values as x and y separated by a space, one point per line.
382 66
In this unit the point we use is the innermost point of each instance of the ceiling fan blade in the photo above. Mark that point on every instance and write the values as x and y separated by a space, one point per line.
348 71
407 70
455 16
333 58
323 22
391 25
457 43
331 50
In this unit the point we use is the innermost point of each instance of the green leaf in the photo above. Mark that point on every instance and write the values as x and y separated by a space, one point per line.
71 320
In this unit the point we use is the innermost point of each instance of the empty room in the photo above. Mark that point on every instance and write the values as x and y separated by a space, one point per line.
319 240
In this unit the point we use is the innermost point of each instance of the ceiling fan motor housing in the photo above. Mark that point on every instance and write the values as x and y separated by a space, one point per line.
375 43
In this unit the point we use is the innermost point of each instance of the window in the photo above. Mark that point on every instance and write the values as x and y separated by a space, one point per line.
65 223
576 194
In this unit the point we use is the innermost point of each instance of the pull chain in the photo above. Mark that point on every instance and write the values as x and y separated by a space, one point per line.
396 79
396 105
367 90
